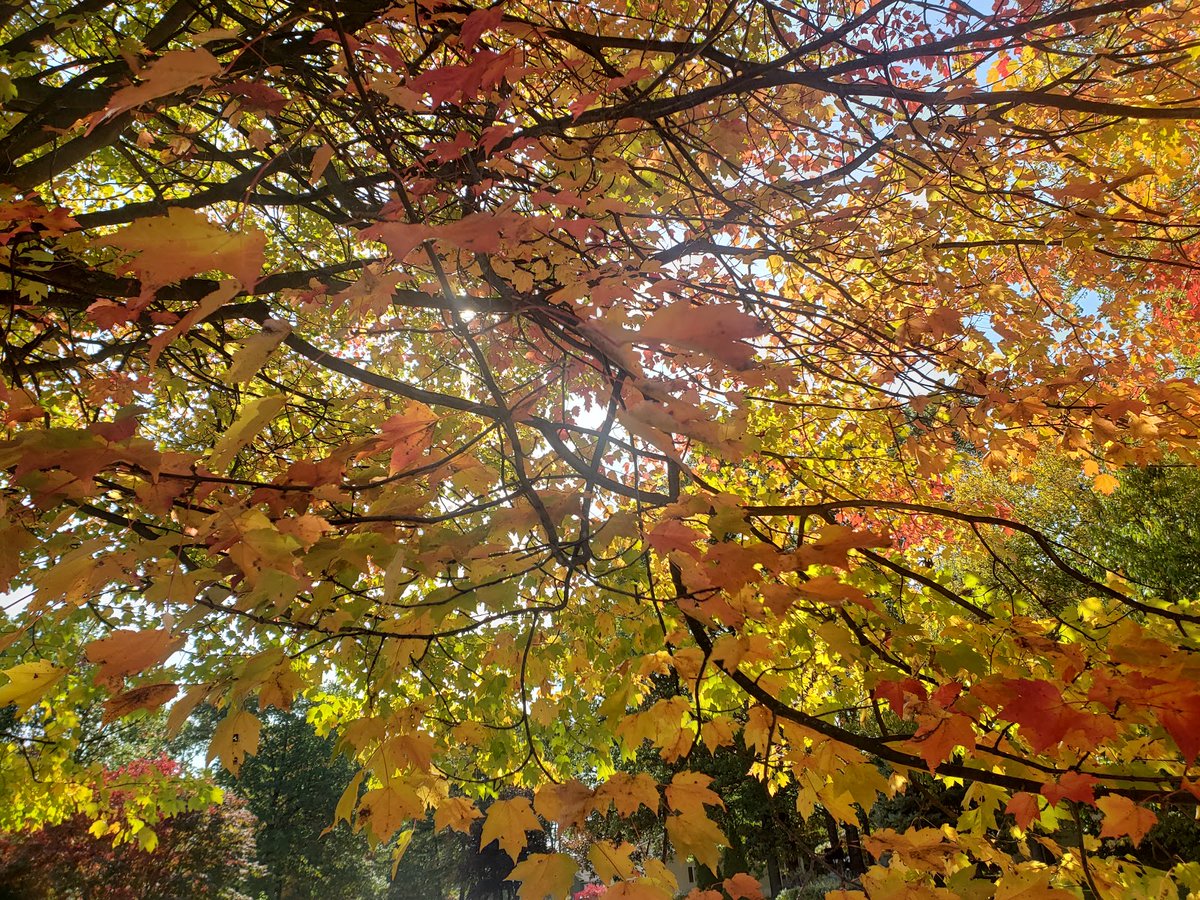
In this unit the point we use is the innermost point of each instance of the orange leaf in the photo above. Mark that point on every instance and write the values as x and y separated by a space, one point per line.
1124 817
150 696
174 71
716 330
567 804
1024 808
455 813
126 652
742 887
184 243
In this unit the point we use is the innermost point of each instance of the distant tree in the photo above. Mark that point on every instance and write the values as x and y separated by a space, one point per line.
292 787
205 852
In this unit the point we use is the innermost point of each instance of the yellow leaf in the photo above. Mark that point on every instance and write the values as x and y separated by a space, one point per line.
252 418
717 732
627 793
236 738
403 752
637 890
567 804
320 161
147 838
658 873
695 834
611 861
28 682
400 848
254 352
279 688
385 810
348 800
544 875
688 793
506 823
183 707
208 304
1106 484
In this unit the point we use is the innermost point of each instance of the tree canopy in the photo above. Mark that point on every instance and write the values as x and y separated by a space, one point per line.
525 385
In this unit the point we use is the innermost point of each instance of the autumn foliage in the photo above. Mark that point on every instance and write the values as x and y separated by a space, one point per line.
534 385
195 851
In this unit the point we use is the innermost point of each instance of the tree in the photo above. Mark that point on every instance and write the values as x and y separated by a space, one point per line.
199 852
292 786
495 362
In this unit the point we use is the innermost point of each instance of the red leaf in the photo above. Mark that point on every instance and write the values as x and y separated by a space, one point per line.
1024 808
479 23
937 739
1182 721
1070 786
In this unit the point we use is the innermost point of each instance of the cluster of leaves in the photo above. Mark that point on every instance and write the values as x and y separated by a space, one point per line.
206 851
501 365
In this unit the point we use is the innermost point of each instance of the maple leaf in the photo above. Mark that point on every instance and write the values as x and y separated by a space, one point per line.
567 803
937 738
252 418
235 738
628 793
455 813
183 243
255 350
149 697
1123 817
256 96
479 22
1181 718
1046 718
688 793
1023 807
742 887
127 652
639 889
171 73
695 834
544 875
408 435
831 544
279 688
506 823
611 861
208 305
1071 786
404 752
719 331
831 589
28 683
386 810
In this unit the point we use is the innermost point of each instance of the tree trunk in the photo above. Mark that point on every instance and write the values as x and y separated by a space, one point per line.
774 881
